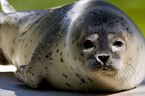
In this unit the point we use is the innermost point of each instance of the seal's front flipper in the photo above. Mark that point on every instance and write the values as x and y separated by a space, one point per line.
27 74
6 7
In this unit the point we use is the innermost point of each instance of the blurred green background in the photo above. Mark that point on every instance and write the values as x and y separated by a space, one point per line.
134 8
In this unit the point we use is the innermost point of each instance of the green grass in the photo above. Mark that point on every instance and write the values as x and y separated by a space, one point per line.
134 8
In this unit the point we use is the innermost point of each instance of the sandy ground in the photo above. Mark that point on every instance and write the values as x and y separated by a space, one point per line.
9 86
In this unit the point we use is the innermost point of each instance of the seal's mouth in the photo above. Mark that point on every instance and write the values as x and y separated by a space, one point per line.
100 67
104 69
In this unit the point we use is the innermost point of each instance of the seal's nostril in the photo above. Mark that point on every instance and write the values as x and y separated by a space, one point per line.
103 58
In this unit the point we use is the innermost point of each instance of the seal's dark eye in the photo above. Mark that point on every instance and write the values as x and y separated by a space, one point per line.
88 44
118 44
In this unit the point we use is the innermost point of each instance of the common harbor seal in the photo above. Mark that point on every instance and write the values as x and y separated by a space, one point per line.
88 45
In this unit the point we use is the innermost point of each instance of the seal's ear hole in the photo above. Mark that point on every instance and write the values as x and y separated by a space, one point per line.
118 44
88 44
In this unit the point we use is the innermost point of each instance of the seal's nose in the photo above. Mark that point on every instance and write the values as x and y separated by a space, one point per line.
103 58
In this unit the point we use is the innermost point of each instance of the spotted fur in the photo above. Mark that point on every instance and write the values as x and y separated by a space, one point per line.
64 46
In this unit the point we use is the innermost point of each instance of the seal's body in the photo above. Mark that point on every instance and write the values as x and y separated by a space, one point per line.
89 45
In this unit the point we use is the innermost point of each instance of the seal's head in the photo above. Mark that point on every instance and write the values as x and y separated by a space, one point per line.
104 40
103 37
